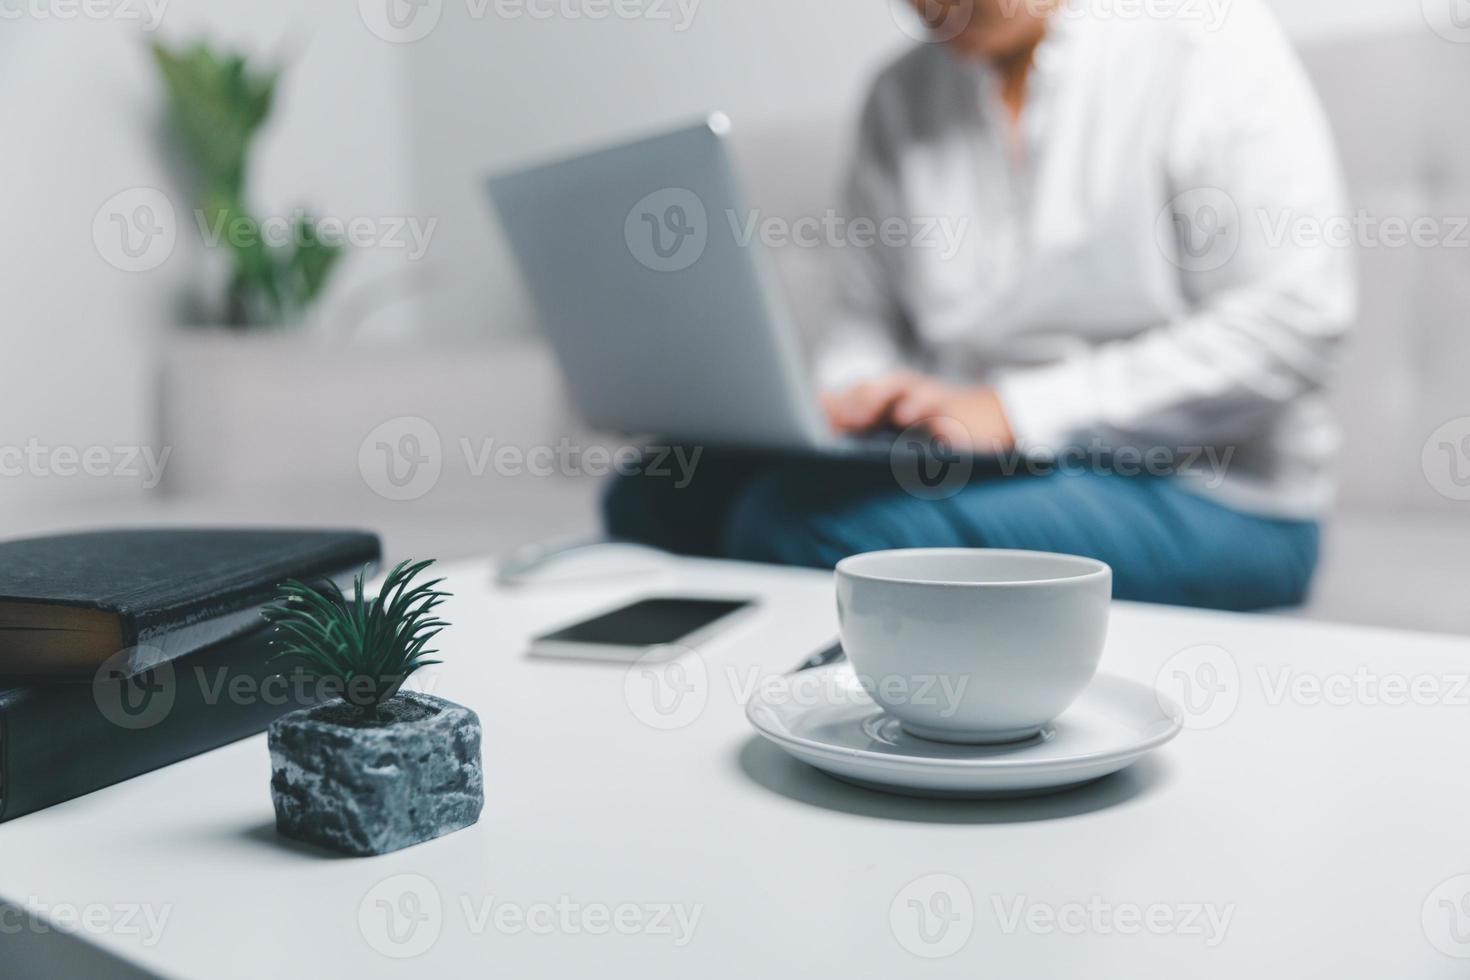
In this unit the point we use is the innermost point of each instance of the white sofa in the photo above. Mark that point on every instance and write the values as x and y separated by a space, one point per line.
1398 551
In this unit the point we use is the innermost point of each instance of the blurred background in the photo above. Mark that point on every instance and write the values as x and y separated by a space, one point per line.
396 381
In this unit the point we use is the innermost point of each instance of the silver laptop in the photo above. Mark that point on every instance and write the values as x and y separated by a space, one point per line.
664 323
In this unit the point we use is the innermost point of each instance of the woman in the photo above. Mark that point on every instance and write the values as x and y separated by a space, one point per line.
1132 284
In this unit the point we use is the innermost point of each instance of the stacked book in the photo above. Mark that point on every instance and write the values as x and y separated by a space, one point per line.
124 651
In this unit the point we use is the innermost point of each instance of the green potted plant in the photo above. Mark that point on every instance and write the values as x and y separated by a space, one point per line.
376 768
217 104
256 308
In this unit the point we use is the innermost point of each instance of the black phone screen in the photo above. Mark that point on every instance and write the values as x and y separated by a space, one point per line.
649 622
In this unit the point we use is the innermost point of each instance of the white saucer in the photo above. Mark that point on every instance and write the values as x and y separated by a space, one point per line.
823 717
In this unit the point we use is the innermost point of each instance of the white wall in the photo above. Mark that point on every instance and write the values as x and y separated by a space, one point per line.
81 119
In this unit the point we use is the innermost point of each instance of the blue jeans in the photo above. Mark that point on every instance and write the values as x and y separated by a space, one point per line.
1164 543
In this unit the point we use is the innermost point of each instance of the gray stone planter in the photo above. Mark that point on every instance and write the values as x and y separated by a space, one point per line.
364 788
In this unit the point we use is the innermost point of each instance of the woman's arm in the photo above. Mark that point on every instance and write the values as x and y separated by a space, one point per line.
1253 163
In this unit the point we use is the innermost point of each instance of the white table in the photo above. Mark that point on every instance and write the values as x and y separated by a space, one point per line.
1322 833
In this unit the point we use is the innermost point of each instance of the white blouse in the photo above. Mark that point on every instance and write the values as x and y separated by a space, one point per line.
1141 262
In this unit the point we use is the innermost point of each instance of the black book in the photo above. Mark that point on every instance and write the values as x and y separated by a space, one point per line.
59 741
74 603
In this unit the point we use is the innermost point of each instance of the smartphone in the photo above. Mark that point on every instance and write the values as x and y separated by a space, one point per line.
651 630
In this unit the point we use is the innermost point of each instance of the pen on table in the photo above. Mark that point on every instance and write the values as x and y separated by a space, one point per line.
830 655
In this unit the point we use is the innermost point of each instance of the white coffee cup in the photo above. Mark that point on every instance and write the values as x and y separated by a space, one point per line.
973 646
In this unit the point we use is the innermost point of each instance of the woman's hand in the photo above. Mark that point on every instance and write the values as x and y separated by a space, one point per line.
971 419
